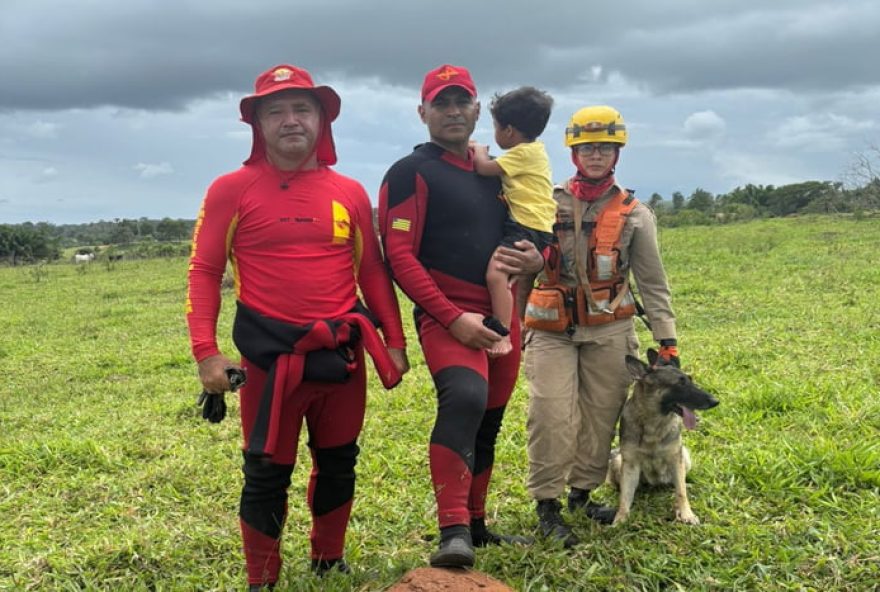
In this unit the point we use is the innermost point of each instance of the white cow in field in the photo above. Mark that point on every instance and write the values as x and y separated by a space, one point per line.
83 257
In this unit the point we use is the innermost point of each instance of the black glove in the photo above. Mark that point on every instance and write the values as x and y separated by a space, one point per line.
214 404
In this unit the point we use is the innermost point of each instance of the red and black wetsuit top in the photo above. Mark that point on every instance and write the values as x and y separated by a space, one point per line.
441 222
298 253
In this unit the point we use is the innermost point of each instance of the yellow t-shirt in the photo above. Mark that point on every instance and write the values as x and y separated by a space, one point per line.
528 185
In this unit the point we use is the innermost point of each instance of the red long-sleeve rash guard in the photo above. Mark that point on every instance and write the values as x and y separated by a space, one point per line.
441 222
294 252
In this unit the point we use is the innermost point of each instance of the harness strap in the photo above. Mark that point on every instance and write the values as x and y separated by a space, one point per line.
606 234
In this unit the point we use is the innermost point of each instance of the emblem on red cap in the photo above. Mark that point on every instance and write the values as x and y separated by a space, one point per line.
282 74
447 73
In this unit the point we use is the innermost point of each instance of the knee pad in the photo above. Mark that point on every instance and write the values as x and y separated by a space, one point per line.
264 494
335 476
261 476
486 436
461 399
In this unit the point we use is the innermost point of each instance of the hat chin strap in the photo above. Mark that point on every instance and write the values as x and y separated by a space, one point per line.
587 189
287 176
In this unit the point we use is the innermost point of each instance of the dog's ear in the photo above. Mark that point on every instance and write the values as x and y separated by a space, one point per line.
637 368
652 356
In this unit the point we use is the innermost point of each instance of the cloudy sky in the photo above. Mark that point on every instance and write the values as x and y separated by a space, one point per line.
114 109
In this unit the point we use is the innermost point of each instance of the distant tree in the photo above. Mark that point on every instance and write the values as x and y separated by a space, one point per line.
833 199
655 201
122 233
863 178
792 199
677 201
24 243
172 230
701 200
755 196
870 195
132 226
146 227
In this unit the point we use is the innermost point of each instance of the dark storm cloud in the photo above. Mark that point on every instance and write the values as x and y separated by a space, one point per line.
162 54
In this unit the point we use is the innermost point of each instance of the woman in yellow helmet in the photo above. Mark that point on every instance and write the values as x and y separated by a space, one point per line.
581 321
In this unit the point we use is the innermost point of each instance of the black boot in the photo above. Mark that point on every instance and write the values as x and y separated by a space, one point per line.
456 548
579 499
260 587
482 536
320 567
551 524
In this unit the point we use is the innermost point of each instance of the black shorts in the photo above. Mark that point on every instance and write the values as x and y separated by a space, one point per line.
514 231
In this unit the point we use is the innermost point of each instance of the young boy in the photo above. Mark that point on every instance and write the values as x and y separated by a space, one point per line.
520 116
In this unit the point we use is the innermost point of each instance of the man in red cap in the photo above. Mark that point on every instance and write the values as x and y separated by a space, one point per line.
440 223
300 239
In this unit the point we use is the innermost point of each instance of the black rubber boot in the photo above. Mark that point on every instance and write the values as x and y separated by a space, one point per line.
579 500
551 524
260 587
321 567
482 536
456 548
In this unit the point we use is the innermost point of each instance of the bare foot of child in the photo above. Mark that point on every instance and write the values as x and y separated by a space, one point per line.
501 348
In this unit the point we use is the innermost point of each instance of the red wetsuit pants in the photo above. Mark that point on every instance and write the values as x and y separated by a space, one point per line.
334 416
472 393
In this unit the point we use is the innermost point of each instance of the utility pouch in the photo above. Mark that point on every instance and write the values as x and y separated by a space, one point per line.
602 313
627 307
605 265
546 310
588 315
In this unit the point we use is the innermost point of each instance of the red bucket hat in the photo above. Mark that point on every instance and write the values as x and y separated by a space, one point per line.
445 76
286 77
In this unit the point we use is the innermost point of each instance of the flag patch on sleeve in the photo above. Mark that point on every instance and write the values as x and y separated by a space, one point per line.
401 224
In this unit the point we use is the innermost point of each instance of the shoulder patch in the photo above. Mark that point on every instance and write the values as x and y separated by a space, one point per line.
401 224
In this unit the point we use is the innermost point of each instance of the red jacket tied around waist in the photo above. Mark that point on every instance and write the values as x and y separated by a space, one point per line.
323 350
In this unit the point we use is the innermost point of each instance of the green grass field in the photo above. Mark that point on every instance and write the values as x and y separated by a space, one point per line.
110 480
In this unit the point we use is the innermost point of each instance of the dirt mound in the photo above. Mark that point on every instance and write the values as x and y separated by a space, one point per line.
429 579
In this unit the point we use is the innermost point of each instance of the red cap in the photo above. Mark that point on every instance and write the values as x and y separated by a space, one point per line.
287 77
445 76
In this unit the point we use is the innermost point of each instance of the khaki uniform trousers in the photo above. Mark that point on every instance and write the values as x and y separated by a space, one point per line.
577 387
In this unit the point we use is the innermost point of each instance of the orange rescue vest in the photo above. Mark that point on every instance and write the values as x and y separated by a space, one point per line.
602 293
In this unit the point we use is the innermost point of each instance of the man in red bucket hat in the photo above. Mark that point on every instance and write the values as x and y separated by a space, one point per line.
300 239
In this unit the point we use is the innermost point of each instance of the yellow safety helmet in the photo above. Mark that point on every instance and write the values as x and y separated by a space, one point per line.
596 124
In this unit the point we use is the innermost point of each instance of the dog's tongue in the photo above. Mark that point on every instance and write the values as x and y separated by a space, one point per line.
690 420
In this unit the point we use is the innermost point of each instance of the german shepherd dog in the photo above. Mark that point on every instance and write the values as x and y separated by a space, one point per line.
651 451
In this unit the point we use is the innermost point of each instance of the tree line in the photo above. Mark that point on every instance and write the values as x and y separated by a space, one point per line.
29 242
762 201
859 192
